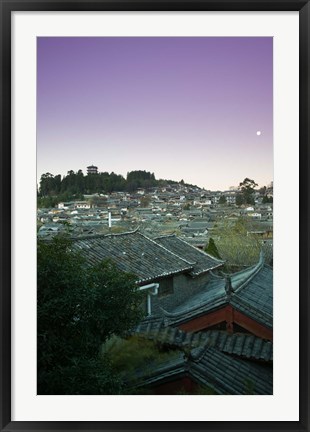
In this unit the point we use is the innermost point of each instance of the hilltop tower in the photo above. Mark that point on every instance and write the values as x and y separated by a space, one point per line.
92 169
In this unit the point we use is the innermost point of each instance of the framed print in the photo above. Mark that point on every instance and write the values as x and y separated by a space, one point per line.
154 179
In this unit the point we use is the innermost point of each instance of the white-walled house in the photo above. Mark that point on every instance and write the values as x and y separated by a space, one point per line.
82 205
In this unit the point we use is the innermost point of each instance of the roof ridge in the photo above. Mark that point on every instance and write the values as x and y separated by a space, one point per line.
201 251
164 236
218 262
196 308
123 233
85 237
255 270
215 276
244 302
197 353
167 250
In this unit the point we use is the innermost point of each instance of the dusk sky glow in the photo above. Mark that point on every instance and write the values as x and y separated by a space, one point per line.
182 107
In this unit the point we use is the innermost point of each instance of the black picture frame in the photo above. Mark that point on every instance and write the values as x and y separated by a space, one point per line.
7 7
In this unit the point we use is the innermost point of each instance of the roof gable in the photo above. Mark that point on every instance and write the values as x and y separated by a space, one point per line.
133 253
203 261
251 294
255 297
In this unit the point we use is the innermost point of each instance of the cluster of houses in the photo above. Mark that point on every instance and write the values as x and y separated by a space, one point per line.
220 326
223 322
188 211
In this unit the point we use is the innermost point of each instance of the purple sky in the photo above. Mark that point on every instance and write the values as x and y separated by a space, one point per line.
184 108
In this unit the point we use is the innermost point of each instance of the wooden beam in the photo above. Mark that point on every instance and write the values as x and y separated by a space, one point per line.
205 321
229 315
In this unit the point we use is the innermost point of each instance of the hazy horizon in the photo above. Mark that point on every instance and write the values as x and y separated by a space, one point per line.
193 108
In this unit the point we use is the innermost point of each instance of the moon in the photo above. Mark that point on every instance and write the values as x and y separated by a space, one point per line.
258 133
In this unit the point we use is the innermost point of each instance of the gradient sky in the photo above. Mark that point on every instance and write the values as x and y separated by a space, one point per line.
181 107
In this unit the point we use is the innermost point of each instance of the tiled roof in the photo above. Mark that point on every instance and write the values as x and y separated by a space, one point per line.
209 367
240 344
212 298
230 375
203 261
160 369
134 253
252 295
255 298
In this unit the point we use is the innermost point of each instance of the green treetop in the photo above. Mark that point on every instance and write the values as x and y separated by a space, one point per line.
78 308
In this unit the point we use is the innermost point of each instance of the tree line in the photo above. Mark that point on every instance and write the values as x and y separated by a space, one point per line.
76 183
55 188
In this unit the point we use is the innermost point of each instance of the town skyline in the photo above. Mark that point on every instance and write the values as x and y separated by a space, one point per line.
197 109
93 169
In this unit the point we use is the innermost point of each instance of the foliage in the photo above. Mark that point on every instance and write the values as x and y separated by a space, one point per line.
240 199
79 307
235 244
222 199
134 358
49 184
248 185
48 201
211 249
76 184
145 201
267 199
79 376
247 188
98 201
117 229
131 353
140 179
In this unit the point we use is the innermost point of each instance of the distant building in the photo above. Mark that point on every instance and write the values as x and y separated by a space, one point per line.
65 205
82 205
92 169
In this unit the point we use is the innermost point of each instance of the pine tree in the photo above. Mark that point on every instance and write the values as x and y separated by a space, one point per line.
211 249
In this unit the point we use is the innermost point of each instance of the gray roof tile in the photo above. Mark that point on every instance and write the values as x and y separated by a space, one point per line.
241 344
230 375
133 253
213 297
255 297
202 261
252 295
211 367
